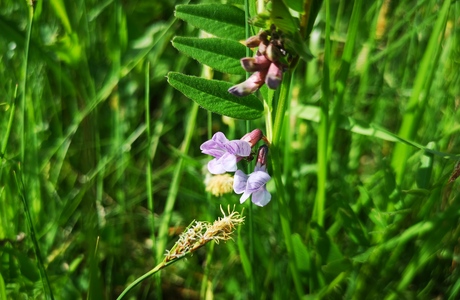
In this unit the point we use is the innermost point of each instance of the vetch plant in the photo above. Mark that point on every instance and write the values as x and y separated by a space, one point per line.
281 42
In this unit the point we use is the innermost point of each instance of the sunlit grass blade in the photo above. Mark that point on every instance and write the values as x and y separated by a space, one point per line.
416 106
312 113
174 187
6 136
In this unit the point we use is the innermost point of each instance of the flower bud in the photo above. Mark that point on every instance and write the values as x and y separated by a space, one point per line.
253 137
253 41
274 76
273 53
262 157
252 84
253 64
262 49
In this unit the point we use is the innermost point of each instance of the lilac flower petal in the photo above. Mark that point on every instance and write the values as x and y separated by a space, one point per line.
228 162
238 147
256 181
216 167
239 182
209 145
215 146
244 197
219 137
261 168
261 197
215 152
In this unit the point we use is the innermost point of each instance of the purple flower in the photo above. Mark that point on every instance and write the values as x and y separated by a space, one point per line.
254 183
227 153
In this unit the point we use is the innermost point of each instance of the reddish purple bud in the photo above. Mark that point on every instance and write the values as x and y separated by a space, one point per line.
262 157
253 64
253 41
274 76
253 137
252 84
262 49
273 53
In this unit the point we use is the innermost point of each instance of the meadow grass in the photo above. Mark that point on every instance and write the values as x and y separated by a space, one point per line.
101 167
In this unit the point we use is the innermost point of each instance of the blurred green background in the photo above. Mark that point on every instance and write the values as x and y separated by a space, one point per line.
101 168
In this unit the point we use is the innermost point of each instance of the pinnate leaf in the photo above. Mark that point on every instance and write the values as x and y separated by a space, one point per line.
213 95
222 20
282 18
284 21
220 54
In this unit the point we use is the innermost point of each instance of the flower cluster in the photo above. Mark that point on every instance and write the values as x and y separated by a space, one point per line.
226 156
268 65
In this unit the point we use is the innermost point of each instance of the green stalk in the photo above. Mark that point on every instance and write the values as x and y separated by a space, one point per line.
417 102
344 68
149 161
283 103
24 79
9 125
160 266
323 132
174 188
33 235
252 276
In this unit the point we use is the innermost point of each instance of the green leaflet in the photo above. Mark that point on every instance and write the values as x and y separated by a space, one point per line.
213 96
222 20
220 54
295 5
282 18
301 254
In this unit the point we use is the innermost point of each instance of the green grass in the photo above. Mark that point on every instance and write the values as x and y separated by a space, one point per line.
101 168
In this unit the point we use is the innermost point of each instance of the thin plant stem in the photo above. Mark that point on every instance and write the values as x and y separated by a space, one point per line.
252 278
24 73
174 188
148 170
33 235
341 82
276 166
160 266
320 201
417 102
10 125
